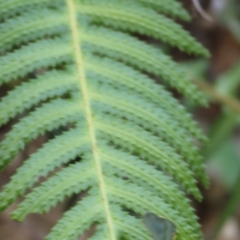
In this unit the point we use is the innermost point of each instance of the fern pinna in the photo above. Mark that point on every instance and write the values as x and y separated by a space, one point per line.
83 65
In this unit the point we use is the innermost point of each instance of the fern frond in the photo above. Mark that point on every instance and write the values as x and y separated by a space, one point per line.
23 97
83 66
29 26
132 80
142 56
130 16
172 8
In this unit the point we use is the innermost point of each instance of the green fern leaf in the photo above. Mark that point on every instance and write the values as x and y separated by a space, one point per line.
83 66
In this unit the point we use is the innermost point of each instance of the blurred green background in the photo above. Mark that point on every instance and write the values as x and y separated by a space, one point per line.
219 78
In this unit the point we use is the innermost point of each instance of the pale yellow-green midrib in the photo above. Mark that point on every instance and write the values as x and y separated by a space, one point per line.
86 103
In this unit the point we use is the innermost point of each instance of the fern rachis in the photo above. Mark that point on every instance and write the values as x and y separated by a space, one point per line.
127 141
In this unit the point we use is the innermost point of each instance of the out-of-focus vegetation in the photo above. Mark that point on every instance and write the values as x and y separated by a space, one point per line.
219 78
